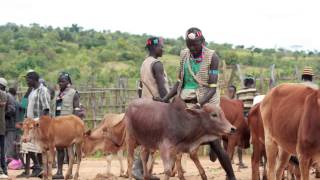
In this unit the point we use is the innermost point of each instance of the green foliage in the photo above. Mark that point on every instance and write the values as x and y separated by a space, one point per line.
102 57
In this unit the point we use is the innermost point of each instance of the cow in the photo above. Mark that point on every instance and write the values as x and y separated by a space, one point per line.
62 132
172 128
233 110
257 141
290 115
96 139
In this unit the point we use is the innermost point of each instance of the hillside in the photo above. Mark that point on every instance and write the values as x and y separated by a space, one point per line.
99 58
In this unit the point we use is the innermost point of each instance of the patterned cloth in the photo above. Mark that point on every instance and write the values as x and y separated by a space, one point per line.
246 96
38 100
202 75
3 99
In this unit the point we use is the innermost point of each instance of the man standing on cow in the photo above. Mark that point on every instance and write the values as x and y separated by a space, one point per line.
307 78
67 102
198 84
38 105
154 85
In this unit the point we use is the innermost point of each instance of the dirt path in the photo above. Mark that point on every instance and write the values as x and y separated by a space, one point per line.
91 167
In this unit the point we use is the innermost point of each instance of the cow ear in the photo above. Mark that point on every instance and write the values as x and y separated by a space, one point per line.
88 133
192 111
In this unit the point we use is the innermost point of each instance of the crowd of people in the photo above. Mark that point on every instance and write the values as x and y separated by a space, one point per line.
197 84
38 100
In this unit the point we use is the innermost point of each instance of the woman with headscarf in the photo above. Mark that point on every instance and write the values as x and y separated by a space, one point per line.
67 101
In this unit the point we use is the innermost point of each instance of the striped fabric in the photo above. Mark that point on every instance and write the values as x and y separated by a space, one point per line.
202 75
247 96
308 71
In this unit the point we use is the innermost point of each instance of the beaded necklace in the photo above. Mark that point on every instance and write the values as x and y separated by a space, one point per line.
198 59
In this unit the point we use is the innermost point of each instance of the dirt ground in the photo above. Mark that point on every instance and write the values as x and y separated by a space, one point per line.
90 168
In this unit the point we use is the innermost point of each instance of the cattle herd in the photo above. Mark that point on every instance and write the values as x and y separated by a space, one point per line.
284 124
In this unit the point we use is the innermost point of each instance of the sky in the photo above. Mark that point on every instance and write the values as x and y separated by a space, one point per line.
292 24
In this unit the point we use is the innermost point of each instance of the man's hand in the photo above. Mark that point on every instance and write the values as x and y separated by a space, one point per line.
159 99
19 125
196 106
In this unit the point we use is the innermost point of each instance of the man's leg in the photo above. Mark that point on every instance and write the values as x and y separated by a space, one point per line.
26 171
59 174
241 164
2 154
137 171
36 165
9 144
223 158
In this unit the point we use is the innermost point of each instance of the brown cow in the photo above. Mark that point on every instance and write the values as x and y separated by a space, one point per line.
62 132
233 110
257 140
290 115
96 139
259 152
172 129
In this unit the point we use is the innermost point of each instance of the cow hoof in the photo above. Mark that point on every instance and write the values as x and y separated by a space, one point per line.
124 175
264 177
76 176
68 176
58 176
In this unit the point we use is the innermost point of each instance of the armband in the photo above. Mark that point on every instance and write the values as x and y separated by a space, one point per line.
214 72
213 85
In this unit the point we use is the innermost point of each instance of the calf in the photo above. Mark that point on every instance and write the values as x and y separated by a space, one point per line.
172 129
257 140
97 139
233 110
62 132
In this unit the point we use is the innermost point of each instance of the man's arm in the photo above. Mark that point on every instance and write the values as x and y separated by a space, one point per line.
213 79
10 106
3 99
158 74
45 101
76 104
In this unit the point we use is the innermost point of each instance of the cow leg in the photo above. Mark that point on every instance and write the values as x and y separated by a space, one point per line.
178 167
255 162
304 164
45 164
282 162
150 162
78 154
130 148
144 157
272 151
109 159
69 171
231 146
264 157
195 159
50 161
120 158
168 157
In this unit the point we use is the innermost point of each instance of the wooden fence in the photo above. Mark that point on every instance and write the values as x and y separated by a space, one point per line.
99 101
